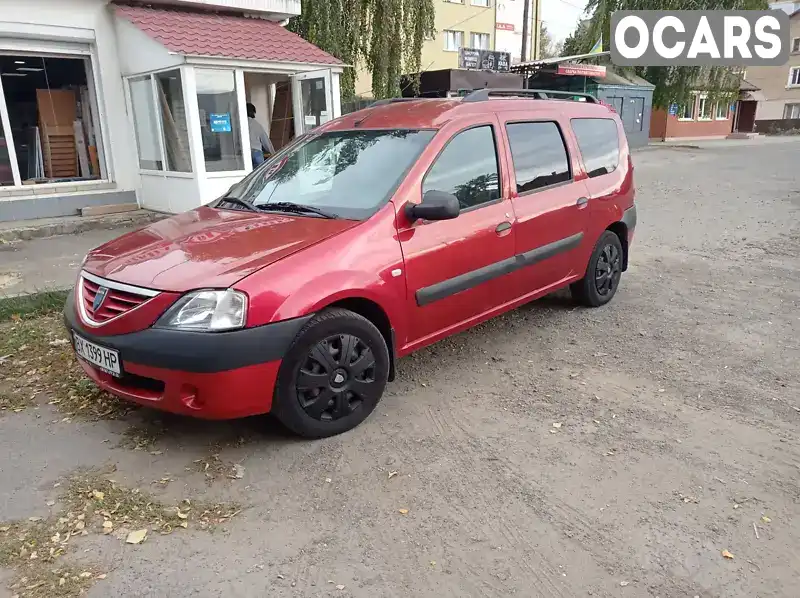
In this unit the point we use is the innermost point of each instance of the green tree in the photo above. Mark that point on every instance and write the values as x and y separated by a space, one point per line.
579 41
386 36
673 83
548 48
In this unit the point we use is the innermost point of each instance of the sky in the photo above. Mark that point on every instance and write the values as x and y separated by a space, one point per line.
561 16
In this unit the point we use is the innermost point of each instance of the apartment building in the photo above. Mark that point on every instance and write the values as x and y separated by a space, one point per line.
459 23
779 105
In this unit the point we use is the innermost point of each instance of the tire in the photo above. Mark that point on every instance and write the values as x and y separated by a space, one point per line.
601 280
332 376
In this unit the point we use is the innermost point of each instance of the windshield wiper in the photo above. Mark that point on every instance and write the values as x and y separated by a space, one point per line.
288 206
239 202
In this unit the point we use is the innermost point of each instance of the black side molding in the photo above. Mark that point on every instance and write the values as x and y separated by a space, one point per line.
468 280
197 352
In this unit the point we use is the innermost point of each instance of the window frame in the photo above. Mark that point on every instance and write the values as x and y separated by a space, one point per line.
727 111
703 101
473 34
438 155
481 3
566 148
794 47
792 71
788 108
151 77
691 107
578 144
455 31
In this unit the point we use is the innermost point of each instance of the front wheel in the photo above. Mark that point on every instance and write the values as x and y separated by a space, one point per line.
599 285
333 375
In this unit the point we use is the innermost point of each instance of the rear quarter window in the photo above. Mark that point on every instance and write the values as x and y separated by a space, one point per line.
598 140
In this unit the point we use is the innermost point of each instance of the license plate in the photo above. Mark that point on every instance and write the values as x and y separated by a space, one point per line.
102 358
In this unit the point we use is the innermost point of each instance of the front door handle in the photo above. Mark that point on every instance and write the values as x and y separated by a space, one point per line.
583 202
502 228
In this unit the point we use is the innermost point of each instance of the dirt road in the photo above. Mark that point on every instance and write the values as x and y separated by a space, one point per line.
554 452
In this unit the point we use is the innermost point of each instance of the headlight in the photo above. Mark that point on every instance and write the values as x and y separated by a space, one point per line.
206 311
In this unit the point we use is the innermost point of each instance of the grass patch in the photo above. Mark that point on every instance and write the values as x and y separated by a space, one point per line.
36 358
36 304
92 504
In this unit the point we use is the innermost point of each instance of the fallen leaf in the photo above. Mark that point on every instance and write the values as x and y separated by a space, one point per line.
34 519
553 432
340 587
58 342
328 480
85 574
183 524
392 474
624 583
765 519
238 471
102 576
556 424
182 515
96 494
433 563
727 554
136 537
51 503
108 527
403 511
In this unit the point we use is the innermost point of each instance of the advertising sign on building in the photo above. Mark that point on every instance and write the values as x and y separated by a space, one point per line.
484 60
585 70
509 17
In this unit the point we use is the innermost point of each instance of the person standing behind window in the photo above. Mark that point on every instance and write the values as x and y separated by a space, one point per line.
259 140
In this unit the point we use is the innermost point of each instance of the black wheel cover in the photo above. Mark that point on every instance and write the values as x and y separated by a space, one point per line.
337 375
608 270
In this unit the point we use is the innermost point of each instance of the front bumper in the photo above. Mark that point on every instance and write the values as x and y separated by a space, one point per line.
220 375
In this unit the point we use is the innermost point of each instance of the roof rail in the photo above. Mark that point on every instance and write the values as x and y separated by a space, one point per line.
482 95
391 101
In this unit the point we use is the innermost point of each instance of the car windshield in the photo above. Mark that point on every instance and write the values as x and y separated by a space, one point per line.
344 174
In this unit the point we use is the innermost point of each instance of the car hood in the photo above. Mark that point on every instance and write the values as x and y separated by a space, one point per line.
207 248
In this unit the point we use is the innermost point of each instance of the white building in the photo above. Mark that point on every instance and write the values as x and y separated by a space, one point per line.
509 25
109 102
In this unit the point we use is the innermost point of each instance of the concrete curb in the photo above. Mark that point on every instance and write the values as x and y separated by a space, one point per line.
71 225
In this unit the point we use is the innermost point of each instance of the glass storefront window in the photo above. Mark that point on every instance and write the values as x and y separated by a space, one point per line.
159 120
6 174
52 124
173 117
145 123
219 120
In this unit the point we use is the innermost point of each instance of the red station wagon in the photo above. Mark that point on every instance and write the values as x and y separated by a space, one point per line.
375 235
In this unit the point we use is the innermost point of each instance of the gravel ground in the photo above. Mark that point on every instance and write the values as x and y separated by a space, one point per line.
676 409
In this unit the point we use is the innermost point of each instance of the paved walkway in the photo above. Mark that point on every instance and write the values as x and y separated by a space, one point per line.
50 263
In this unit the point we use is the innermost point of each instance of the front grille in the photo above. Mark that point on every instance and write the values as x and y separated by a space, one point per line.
117 301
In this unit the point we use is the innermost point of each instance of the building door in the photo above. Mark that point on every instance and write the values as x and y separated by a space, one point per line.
632 114
746 117
312 100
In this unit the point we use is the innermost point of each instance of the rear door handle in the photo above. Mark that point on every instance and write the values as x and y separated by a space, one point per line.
502 227
582 201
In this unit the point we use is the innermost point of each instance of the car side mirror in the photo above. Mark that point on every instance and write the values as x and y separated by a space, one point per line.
435 205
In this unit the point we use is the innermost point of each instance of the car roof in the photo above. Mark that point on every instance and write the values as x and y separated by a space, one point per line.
434 113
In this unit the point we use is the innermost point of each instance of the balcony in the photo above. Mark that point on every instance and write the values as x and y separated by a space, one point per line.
275 10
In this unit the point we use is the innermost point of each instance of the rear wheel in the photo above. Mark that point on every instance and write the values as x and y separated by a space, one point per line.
333 375
600 283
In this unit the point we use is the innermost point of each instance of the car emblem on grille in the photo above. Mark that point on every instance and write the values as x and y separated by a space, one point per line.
101 295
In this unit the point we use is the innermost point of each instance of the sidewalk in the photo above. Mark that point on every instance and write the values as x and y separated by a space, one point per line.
49 263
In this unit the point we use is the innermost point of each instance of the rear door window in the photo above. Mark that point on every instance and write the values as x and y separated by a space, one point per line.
598 140
467 168
539 155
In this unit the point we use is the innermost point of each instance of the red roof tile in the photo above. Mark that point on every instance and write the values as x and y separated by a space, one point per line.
223 36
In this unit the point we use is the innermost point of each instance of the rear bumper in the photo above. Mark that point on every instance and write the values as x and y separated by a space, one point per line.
206 375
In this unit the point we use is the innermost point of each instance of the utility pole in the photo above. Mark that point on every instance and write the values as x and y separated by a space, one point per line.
525 18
